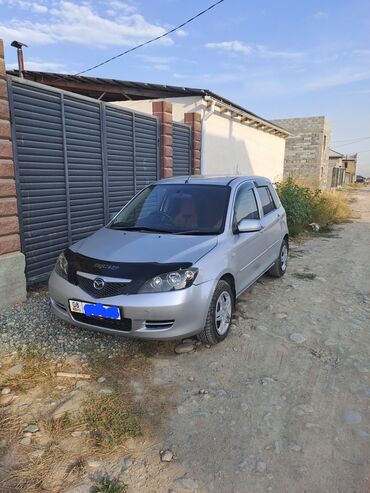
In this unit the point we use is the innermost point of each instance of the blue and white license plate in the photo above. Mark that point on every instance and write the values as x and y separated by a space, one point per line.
95 309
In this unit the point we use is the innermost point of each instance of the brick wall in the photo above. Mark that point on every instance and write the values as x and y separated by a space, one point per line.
9 226
163 110
306 151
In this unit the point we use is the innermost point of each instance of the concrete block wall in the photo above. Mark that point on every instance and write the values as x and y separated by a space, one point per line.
12 263
307 150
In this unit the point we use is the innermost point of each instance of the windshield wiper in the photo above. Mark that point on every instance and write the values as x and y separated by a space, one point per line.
138 228
195 232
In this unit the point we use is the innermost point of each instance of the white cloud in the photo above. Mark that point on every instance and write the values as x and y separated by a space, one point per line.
340 78
232 46
38 66
123 6
286 54
80 24
162 66
26 5
181 33
259 50
320 15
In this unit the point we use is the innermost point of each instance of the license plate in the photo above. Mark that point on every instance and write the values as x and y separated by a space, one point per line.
95 309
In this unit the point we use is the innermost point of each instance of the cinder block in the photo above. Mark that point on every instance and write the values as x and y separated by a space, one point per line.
8 206
4 108
9 243
5 129
7 187
9 225
6 168
6 149
12 279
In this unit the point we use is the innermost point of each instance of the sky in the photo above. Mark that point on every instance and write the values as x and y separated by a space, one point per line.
279 59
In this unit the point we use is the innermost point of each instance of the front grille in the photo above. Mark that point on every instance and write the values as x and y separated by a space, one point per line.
109 289
123 325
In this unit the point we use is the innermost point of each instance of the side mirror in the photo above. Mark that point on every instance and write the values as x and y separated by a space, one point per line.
249 225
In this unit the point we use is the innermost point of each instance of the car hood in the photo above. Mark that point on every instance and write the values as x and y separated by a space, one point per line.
133 246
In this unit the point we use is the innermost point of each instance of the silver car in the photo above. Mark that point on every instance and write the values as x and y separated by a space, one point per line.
173 261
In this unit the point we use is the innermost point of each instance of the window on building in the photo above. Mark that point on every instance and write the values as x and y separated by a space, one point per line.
267 201
245 205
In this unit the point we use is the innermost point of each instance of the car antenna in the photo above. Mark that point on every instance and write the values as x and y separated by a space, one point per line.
187 179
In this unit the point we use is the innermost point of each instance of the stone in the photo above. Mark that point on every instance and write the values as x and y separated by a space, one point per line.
235 349
5 391
302 409
244 406
191 379
297 338
352 417
15 370
71 405
166 455
185 347
25 441
31 428
261 466
203 391
105 391
101 379
6 400
295 447
126 463
93 464
186 484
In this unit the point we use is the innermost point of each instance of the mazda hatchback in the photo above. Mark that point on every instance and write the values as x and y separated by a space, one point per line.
173 261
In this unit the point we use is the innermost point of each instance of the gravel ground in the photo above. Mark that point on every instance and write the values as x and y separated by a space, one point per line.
33 325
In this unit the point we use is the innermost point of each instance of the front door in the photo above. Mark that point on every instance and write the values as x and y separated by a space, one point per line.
247 247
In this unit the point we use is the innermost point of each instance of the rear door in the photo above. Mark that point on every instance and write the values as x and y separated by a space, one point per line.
270 220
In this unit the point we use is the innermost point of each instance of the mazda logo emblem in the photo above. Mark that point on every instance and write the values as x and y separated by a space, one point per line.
98 283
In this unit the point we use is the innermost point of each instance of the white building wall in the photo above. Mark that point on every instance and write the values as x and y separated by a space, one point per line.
229 147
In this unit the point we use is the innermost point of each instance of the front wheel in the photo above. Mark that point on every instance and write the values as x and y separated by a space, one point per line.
219 315
281 263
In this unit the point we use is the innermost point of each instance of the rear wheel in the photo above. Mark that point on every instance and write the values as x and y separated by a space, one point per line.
281 263
219 315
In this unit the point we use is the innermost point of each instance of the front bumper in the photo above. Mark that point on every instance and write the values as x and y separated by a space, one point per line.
170 315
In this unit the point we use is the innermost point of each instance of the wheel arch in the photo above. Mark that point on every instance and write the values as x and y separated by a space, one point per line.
229 278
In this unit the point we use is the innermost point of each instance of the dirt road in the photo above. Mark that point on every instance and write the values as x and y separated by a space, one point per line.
287 408
282 405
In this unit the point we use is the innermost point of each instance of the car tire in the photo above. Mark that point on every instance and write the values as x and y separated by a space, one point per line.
219 315
280 265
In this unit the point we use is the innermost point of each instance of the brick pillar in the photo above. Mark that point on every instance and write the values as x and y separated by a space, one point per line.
195 121
12 278
163 110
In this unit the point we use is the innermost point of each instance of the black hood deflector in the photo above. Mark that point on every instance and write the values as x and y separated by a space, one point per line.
138 272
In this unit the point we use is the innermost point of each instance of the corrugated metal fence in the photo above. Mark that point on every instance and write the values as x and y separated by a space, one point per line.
78 161
181 142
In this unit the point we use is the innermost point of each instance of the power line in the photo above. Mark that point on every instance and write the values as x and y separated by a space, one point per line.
350 141
153 39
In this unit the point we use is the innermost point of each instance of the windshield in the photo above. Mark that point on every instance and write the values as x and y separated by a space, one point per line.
178 209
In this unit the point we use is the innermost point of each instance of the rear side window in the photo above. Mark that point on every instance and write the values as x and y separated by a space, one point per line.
267 201
245 205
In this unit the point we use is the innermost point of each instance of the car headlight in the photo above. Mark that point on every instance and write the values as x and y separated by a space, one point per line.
61 266
171 281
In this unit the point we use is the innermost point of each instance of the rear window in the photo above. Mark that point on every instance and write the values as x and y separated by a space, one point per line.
267 201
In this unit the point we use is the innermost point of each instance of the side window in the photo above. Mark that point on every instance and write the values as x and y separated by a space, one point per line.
267 201
245 205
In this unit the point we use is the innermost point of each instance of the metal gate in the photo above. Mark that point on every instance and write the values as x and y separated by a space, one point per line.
181 141
78 161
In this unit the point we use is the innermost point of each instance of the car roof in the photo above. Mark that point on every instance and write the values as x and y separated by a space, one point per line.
232 181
